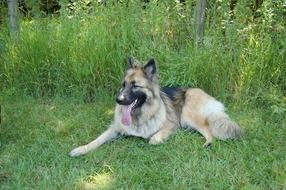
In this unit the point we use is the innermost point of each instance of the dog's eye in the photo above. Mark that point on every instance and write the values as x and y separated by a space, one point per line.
136 86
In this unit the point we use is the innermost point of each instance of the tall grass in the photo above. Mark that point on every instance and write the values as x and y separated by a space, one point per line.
85 51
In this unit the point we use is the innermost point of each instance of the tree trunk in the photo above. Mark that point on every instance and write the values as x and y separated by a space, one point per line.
232 5
13 19
200 21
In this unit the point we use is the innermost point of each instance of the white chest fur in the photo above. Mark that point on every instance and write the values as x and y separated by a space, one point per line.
145 128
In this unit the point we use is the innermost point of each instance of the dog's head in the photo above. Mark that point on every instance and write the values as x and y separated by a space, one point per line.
137 88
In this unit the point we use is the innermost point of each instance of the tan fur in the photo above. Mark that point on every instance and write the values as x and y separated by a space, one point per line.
206 115
159 117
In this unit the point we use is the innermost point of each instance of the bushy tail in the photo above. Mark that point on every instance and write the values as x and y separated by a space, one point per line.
222 127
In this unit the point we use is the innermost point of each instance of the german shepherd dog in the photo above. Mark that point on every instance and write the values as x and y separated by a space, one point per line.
145 110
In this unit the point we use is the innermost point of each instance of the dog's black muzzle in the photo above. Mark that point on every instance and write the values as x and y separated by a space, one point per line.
125 97
128 97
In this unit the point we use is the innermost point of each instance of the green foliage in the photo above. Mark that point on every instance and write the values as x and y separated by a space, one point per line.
85 48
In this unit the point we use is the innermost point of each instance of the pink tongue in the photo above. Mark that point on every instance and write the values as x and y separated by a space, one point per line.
126 116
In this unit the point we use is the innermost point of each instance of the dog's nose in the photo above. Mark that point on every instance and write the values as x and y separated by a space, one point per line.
120 99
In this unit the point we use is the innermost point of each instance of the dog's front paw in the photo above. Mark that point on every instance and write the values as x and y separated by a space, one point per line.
78 151
155 140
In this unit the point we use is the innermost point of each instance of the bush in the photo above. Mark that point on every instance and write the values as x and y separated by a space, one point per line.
85 49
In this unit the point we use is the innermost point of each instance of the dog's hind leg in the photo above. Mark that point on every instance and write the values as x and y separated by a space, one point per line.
193 114
163 134
109 134
204 130
197 123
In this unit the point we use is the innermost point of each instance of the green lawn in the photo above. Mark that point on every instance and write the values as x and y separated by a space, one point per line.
37 134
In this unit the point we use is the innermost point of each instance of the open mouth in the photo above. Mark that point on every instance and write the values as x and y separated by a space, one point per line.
128 110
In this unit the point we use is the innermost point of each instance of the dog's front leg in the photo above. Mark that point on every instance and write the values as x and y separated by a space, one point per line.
164 133
108 135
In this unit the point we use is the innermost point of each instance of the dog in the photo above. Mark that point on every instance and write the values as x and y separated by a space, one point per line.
145 110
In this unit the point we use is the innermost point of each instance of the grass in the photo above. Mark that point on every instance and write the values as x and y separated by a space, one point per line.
37 134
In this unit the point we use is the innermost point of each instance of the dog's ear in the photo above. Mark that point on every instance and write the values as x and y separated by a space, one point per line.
150 69
130 62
